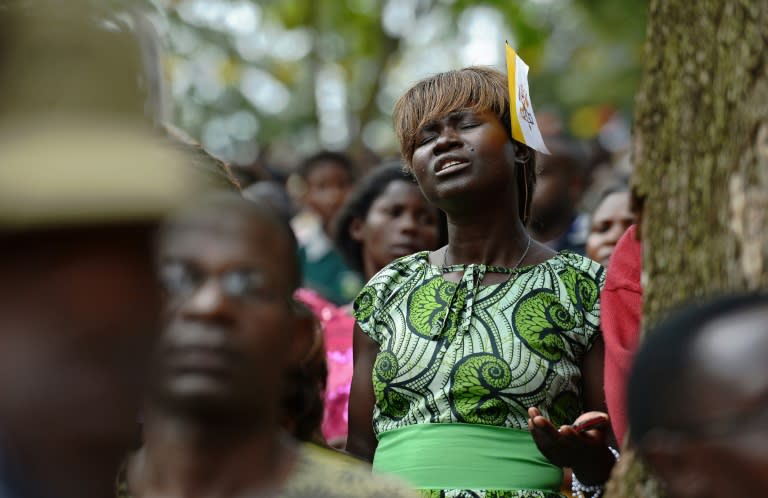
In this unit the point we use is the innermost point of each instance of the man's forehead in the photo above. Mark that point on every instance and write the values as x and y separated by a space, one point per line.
252 236
227 214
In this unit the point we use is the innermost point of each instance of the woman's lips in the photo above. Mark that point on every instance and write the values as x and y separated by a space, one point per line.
451 167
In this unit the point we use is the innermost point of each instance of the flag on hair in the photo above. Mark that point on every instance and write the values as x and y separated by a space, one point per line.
524 126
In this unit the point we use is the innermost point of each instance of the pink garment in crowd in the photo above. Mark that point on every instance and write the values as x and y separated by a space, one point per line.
338 324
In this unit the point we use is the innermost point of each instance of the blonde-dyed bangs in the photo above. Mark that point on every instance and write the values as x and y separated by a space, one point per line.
477 88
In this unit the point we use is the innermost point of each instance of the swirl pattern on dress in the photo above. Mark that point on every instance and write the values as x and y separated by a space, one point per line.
476 382
392 403
539 319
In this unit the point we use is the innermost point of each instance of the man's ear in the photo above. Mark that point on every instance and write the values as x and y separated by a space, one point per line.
307 335
356 229
682 463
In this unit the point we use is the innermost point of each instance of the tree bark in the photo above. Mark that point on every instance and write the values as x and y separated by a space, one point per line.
701 164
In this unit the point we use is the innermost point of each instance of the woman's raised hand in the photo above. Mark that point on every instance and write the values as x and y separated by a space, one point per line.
581 445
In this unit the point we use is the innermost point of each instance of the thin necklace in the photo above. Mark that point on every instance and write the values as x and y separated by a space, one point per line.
525 253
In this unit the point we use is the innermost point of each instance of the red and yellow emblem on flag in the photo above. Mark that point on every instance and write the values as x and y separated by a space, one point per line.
524 126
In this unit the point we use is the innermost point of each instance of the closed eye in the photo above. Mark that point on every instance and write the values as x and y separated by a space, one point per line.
425 139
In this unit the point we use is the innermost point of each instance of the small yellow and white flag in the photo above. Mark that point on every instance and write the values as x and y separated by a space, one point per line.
524 126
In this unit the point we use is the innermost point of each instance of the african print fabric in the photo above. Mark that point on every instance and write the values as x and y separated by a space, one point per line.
459 352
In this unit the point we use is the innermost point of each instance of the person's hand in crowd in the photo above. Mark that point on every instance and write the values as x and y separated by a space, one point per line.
581 445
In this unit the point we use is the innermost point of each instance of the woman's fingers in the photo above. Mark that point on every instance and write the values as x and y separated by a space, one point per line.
589 416
563 446
545 435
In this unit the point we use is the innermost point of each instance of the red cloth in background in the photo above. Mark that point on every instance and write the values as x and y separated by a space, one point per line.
620 311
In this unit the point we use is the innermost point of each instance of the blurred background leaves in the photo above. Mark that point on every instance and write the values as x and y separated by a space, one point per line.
273 80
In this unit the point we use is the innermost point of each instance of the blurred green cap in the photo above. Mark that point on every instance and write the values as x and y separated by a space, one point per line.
77 172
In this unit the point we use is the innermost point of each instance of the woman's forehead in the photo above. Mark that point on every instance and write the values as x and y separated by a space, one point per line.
458 111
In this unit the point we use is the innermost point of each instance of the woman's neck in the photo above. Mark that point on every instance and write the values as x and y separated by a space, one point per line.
493 241
491 233
185 459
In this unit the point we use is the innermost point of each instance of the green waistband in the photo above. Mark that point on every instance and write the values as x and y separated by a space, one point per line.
465 456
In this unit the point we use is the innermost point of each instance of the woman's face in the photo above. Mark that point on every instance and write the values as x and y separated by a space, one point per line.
609 222
464 151
399 222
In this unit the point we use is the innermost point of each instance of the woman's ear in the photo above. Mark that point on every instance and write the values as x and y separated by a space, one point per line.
522 154
356 229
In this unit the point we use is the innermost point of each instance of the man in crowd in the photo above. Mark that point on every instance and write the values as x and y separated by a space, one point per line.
327 178
79 304
698 399
561 179
235 334
83 186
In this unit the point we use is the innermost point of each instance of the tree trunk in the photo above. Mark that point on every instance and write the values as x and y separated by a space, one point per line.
701 164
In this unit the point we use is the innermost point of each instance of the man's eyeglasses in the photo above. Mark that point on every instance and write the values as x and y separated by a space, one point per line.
183 279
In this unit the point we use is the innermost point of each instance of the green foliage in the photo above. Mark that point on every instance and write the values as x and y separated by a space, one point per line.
581 53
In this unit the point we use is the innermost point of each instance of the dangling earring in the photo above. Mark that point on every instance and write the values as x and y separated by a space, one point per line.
524 178
525 205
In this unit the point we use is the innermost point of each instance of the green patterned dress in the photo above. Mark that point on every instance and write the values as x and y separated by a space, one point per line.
461 353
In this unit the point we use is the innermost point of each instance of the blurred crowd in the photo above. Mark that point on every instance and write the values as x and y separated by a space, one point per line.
465 317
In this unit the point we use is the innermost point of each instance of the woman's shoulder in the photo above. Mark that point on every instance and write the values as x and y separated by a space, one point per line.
579 279
574 278
568 261
389 286
401 269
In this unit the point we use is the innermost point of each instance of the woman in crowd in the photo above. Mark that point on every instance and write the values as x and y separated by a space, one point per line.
610 220
385 217
462 353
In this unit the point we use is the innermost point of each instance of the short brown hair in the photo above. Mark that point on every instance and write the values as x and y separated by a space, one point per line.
476 88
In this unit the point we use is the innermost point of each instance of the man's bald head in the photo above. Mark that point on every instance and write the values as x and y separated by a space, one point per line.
700 352
698 398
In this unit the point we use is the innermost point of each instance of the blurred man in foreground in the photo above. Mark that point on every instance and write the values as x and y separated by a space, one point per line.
83 186
79 305
698 395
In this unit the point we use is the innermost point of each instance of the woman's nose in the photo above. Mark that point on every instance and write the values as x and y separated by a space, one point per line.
615 233
408 223
448 138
